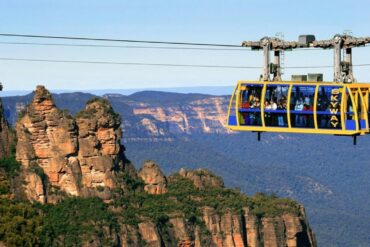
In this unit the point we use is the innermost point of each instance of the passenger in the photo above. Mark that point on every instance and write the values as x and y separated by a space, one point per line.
273 105
258 115
305 116
257 103
246 104
273 115
307 100
292 103
268 114
310 122
251 99
325 109
280 116
298 107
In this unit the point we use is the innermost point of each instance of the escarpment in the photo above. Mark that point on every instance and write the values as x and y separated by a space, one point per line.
77 166
60 153
200 211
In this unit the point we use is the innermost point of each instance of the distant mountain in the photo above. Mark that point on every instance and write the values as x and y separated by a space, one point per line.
326 173
211 90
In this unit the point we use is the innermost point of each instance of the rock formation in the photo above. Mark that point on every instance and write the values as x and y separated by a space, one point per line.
154 180
202 178
77 157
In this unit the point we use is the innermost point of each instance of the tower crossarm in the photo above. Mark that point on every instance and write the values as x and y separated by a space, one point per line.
345 41
273 43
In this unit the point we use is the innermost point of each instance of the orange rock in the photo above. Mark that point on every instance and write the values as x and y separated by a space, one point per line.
75 155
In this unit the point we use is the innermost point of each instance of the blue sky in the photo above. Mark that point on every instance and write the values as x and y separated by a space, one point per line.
185 21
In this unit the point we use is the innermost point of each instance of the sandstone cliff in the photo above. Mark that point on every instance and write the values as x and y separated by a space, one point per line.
75 156
226 218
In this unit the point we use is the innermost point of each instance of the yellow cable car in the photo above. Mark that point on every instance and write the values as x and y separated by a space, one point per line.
300 107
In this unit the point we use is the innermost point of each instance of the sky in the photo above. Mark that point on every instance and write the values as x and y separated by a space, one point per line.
201 21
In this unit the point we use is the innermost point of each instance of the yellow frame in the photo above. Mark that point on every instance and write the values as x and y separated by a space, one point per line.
352 88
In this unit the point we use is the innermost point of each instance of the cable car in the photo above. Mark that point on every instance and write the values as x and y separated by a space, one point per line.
300 107
313 107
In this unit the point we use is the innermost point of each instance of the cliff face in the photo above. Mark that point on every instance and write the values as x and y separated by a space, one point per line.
158 116
198 116
229 228
6 135
59 153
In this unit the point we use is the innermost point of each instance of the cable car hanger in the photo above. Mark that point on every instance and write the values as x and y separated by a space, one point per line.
342 69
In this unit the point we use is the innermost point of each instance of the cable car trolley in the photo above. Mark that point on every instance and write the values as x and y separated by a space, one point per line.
306 104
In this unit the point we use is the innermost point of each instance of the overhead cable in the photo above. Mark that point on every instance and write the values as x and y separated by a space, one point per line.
159 64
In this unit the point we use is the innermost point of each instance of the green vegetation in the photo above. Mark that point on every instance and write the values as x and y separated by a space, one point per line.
99 100
20 223
270 205
10 166
90 112
77 220
183 197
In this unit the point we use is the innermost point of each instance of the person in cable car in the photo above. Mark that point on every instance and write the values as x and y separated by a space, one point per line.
310 122
268 114
293 101
304 116
280 116
298 107
273 116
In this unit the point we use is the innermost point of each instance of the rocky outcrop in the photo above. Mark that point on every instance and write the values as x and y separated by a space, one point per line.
245 229
6 135
154 180
219 228
77 157
202 178
99 137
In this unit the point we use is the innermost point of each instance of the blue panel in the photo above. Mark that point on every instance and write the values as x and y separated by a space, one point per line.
327 113
362 124
232 120
249 110
301 112
276 111
350 125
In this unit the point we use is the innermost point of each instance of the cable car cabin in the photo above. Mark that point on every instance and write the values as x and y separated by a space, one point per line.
300 107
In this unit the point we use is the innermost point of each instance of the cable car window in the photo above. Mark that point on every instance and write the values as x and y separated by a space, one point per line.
329 107
362 109
275 106
232 110
250 105
301 106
